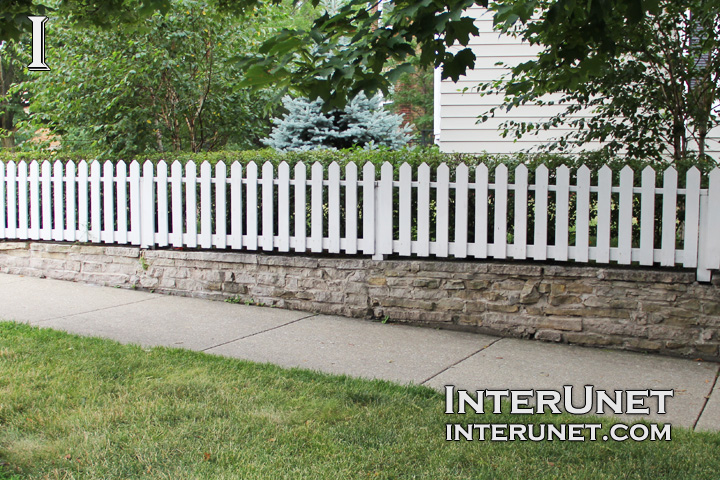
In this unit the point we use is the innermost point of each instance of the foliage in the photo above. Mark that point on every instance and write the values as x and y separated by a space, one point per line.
414 157
12 101
167 87
363 122
413 95
652 88
317 60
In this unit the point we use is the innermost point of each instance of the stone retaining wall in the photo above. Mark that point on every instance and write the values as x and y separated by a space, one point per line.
636 309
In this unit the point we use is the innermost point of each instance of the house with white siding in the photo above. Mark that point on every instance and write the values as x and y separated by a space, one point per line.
458 105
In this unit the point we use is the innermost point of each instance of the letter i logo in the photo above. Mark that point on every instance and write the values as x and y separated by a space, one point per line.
38 44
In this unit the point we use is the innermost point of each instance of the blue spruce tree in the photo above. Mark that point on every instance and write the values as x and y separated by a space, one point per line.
364 122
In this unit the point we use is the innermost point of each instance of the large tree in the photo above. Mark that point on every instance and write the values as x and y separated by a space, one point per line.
166 85
348 50
652 90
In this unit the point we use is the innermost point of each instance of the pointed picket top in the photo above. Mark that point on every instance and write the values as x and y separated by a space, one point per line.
134 166
316 170
300 169
462 169
405 168
714 175
351 167
521 169
205 169
583 170
284 167
268 169
251 168
542 168
148 168
481 171
368 170
236 169
162 166
334 169
648 173
502 168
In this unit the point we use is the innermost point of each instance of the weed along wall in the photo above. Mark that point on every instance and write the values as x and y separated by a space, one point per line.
664 311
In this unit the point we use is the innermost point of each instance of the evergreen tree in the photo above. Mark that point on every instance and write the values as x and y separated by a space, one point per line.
364 122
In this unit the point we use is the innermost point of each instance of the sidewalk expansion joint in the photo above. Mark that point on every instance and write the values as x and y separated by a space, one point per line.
707 399
460 361
258 333
97 310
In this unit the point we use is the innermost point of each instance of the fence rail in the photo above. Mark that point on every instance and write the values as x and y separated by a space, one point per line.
468 212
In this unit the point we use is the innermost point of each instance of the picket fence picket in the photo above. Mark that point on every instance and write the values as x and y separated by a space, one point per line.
34 233
284 207
82 213
582 228
122 202
163 227
23 200
70 198
268 206
669 217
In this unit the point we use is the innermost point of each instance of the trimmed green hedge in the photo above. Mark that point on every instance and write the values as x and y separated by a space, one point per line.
415 157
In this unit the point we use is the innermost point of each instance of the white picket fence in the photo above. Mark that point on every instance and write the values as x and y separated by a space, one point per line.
479 214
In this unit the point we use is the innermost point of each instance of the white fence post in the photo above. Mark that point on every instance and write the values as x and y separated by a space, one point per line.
709 247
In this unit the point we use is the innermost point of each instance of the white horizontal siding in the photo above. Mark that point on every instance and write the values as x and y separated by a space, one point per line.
458 105
459 130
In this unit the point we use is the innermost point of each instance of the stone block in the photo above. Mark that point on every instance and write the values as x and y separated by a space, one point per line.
570 324
548 336
5 245
611 326
129 252
426 283
479 284
454 285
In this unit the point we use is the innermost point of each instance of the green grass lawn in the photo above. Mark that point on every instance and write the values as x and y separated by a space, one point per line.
73 407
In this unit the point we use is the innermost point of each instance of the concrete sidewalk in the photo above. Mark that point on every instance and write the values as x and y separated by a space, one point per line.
360 348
